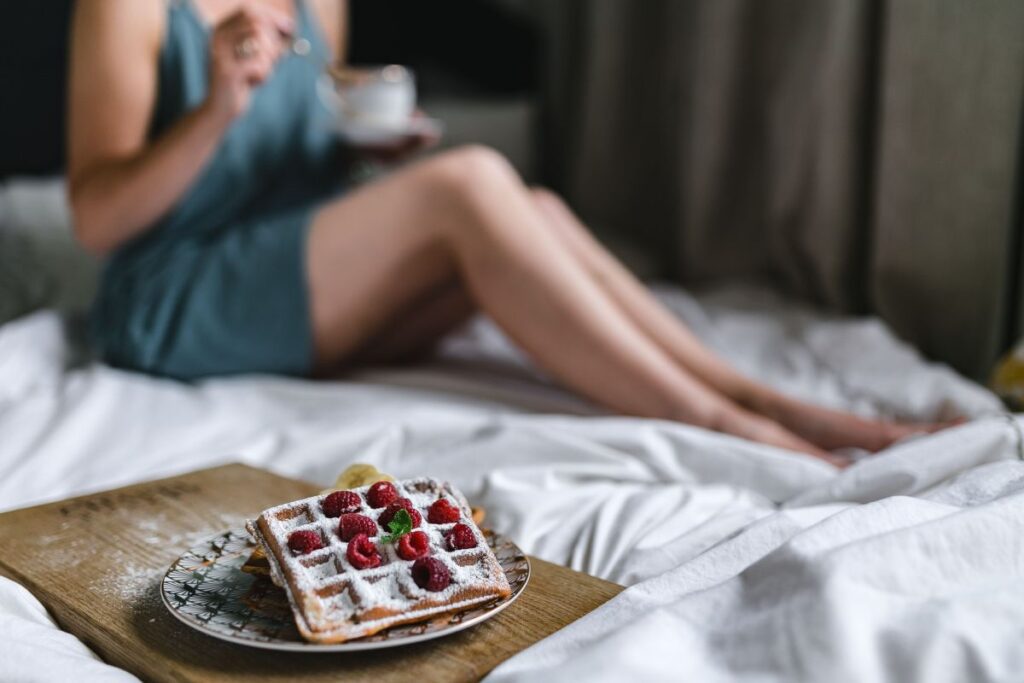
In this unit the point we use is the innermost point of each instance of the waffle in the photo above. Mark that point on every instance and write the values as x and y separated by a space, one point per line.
333 601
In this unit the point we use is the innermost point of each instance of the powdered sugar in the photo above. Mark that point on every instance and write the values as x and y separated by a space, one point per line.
335 601
156 527
132 580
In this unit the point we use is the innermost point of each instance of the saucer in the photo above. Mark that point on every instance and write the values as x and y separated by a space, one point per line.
366 134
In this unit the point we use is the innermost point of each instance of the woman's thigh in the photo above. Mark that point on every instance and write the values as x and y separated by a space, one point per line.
376 252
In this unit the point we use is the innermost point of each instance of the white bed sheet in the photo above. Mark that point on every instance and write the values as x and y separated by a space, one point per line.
745 562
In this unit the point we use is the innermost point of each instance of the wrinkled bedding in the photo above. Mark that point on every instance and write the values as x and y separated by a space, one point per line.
743 562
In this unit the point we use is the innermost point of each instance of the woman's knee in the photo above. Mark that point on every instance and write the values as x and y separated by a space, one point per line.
476 159
560 218
547 199
471 173
553 208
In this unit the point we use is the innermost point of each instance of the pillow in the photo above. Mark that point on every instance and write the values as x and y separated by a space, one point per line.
41 263
21 290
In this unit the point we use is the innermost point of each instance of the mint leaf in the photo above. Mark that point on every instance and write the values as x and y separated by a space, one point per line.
399 526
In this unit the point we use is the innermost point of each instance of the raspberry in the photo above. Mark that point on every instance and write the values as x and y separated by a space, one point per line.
431 574
442 512
460 537
400 504
351 524
302 542
340 502
381 494
362 552
413 545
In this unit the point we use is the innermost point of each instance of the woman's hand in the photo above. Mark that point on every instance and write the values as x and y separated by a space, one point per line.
244 48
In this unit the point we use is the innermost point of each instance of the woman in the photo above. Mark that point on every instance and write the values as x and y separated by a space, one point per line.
198 158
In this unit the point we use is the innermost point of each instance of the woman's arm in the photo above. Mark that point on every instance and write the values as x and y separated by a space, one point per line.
118 185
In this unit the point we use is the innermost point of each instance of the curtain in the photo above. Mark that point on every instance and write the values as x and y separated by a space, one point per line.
863 155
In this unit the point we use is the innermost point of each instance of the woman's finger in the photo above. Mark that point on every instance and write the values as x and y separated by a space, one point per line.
250 44
262 40
246 46
270 42
259 20
276 19
245 19
258 69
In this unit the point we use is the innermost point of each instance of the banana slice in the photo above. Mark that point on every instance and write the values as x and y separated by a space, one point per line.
1008 379
478 515
357 475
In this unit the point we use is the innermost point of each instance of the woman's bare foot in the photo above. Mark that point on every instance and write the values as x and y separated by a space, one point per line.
743 423
831 429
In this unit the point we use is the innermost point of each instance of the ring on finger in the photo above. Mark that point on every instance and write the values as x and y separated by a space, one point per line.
246 48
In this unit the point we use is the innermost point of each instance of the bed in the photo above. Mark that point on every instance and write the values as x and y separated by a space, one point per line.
742 562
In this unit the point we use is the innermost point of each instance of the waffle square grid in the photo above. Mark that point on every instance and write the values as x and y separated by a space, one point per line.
334 602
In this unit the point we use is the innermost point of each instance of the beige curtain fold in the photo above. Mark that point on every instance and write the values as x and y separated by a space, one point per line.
947 236
862 155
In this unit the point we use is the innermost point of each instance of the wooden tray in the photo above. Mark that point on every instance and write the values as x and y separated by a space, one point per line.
96 563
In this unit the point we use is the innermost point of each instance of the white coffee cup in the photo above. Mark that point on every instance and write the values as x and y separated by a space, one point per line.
381 97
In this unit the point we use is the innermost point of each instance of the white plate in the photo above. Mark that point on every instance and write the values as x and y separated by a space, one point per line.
360 133
206 589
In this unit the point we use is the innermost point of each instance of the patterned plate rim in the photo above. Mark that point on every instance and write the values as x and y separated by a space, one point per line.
203 548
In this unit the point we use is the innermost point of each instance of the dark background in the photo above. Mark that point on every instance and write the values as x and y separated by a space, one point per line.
33 58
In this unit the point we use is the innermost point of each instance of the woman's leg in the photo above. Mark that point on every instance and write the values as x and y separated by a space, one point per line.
412 333
827 428
466 215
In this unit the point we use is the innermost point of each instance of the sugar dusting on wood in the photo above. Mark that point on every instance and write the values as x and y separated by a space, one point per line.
133 580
